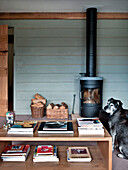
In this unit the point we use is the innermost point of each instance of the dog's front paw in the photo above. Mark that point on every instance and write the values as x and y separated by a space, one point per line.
121 156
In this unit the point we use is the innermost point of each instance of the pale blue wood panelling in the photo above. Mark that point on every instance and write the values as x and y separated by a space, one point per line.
71 69
104 24
67 78
105 51
69 60
45 86
69 42
44 69
48 60
46 78
116 69
51 32
72 60
50 54
112 60
63 51
69 32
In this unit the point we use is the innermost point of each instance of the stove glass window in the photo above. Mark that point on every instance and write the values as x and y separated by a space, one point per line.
91 95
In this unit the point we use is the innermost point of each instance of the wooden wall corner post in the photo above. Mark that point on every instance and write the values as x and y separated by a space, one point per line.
106 150
3 69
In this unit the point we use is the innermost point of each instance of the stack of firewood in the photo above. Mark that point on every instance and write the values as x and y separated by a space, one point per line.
57 111
38 101
37 106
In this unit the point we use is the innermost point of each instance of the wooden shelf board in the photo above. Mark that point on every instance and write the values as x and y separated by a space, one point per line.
97 163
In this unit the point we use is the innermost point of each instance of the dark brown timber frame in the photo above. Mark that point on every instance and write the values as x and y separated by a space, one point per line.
61 15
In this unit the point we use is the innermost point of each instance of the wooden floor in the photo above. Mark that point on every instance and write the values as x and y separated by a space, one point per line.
97 163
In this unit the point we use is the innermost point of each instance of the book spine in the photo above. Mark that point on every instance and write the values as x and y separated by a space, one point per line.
55 151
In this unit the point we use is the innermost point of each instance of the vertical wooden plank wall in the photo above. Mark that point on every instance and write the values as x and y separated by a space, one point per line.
50 54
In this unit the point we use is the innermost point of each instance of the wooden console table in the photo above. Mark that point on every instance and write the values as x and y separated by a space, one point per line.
101 152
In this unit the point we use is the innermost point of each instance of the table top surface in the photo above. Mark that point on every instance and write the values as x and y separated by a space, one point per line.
4 136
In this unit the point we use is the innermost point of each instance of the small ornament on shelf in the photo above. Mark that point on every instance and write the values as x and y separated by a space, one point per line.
10 117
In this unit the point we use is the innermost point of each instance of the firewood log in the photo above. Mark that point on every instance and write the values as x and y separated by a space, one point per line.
39 97
37 105
63 106
50 106
38 101
57 106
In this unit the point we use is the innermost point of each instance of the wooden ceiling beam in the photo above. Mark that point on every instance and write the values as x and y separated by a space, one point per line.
57 15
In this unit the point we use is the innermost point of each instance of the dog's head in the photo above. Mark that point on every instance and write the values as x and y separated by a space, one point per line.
113 106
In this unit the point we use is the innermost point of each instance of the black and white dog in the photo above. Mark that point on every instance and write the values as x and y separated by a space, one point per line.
118 124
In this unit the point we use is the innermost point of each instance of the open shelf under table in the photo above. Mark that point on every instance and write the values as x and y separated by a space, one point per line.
97 162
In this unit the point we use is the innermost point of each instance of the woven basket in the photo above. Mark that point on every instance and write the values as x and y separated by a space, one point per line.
57 113
37 112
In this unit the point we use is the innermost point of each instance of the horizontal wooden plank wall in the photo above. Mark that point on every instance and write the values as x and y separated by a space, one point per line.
50 54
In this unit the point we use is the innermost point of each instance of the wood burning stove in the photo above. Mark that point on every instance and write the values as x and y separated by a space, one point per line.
90 85
90 96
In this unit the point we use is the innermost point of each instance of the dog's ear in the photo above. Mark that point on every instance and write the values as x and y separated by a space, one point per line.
110 100
119 103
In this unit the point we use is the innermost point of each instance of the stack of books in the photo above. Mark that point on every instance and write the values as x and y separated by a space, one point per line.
90 127
23 127
15 153
45 153
78 154
56 127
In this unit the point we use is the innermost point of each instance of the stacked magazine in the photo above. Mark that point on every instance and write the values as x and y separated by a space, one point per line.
78 154
56 127
90 127
23 127
45 153
15 153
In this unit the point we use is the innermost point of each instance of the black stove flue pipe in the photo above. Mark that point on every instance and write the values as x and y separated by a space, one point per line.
91 42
